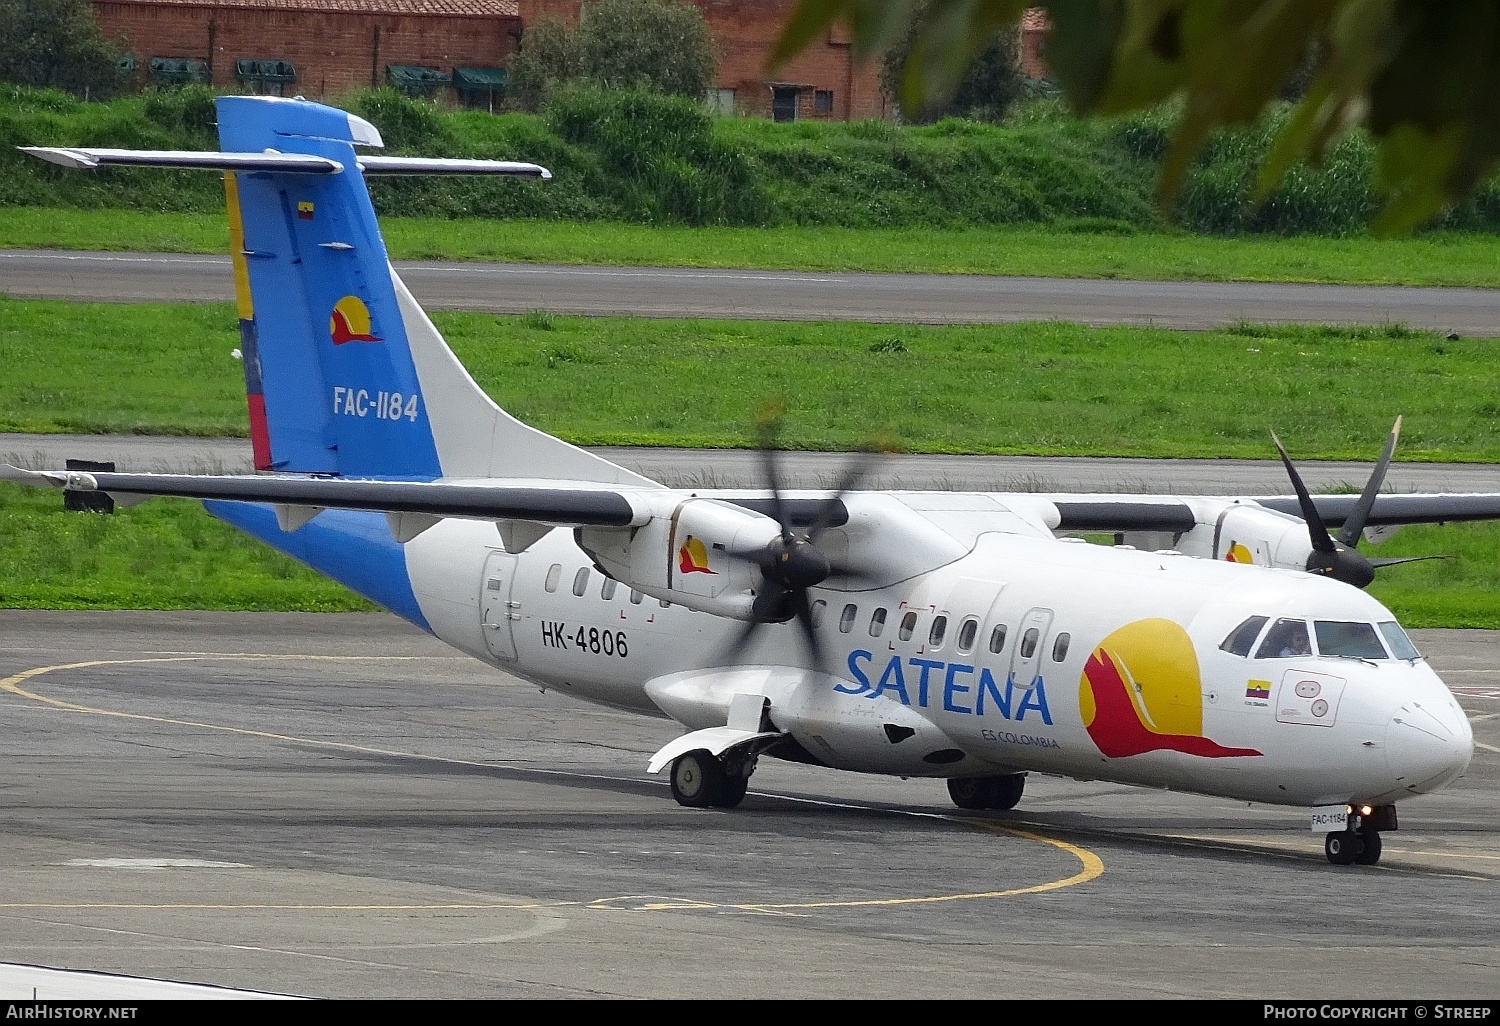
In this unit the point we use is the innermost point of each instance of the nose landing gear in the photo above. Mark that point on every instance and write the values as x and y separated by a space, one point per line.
1359 842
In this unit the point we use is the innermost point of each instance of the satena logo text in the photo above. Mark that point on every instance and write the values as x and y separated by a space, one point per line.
959 684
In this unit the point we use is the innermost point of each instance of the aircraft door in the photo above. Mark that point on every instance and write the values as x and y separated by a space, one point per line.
498 612
1031 642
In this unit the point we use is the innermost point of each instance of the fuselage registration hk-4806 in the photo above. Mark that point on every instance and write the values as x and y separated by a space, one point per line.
926 634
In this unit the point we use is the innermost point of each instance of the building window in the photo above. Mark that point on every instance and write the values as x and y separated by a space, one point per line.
783 103
823 101
266 77
720 101
178 70
415 81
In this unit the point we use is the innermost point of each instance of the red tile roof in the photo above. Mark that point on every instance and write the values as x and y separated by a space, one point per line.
448 8
1035 20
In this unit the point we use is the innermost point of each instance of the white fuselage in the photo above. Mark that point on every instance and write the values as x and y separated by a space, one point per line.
1110 666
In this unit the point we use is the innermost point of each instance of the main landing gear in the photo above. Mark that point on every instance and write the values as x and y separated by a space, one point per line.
701 780
1359 842
987 792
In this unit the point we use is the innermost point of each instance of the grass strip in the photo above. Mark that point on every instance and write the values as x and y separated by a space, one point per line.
1041 388
1453 259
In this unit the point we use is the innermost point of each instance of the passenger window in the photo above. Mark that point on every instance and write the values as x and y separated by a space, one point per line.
967 631
997 638
607 589
1285 640
818 608
1028 642
938 632
1060 647
1243 637
581 581
877 622
908 625
846 621
1348 639
1401 646
635 597
554 574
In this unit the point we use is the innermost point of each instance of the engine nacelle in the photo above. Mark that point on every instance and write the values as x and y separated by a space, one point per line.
683 554
1249 533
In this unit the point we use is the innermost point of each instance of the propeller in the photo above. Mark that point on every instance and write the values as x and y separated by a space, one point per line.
791 564
1336 556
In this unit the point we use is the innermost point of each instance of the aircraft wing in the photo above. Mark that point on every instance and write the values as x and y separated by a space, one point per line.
1102 513
559 504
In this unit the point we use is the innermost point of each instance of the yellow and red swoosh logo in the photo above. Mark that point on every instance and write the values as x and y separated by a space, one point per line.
692 558
1141 692
350 322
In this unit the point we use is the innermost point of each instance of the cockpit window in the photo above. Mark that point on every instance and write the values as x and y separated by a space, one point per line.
1242 637
1401 646
1288 638
1346 638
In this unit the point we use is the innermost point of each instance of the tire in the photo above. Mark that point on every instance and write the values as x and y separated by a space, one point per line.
732 792
1341 847
1007 791
1369 846
971 792
697 779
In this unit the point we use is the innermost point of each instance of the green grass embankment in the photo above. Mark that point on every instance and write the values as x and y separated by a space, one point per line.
1040 388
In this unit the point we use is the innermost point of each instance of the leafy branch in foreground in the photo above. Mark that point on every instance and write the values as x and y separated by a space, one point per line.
1420 77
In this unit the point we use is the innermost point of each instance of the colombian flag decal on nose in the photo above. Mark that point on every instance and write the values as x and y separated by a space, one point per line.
1141 692
350 322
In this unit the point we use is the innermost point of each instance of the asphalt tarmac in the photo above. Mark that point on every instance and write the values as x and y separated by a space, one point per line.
789 295
341 806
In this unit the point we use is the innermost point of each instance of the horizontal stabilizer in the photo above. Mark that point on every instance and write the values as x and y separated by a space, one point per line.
270 160
561 505
205 160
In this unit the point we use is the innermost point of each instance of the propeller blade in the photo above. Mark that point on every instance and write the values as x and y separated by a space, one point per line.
735 648
1378 563
1349 533
861 465
1317 532
809 632
767 424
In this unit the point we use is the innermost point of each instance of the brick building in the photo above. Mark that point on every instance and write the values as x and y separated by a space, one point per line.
325 48
316 47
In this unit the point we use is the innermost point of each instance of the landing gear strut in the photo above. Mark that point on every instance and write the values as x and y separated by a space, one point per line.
987 792
1359 842
701 780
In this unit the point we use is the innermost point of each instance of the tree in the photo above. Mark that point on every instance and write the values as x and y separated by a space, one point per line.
1423 78
990 84
659 46
55 43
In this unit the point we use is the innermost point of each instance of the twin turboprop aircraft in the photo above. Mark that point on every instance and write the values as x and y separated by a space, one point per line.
928 634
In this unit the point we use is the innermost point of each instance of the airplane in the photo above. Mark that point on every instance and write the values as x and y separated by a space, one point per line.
1223 646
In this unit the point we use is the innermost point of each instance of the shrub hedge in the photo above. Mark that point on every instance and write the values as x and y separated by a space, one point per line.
643 158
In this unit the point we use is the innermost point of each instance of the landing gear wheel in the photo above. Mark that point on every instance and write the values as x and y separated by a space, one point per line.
732 792
1341 847
1369 846
697 779
1007 791
971 792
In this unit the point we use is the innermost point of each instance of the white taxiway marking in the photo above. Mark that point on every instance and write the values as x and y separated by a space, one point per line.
155 864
